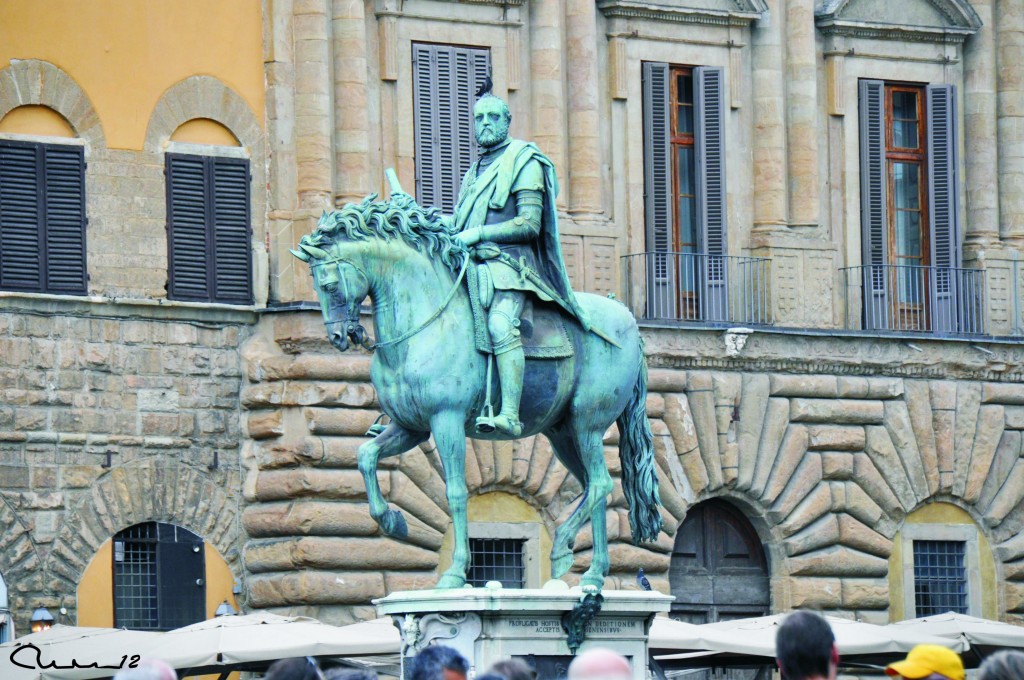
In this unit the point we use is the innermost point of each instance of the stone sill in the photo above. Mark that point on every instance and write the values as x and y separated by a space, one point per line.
838 333
100 306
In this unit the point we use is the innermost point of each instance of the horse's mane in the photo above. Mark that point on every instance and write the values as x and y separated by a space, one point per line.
421 228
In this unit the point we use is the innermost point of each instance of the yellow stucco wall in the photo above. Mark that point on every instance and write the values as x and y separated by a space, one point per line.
204 131
96 587
942 513
36 120
126 53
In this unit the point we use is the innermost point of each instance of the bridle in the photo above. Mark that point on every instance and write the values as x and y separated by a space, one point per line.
354 330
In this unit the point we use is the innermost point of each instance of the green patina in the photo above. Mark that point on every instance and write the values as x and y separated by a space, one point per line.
434 376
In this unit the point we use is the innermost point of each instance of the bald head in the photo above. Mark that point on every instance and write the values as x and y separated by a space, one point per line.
600 664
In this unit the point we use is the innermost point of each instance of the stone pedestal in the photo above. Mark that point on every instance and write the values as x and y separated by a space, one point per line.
491 624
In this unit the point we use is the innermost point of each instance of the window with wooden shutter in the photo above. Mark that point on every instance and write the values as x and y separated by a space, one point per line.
445 81
909 206
684 197
209 229
42 218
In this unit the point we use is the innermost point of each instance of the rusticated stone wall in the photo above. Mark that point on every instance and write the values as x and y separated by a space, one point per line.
826 444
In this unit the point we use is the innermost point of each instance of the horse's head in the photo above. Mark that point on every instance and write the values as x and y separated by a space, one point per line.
341 285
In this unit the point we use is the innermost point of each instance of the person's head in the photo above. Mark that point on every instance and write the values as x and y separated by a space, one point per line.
298 668
600 664
805 647
928 661
1007 665
344 673
513 669
492 119
148 670
438 662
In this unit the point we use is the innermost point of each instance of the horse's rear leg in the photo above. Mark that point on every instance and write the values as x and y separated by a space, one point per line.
450 436
391 442
567 447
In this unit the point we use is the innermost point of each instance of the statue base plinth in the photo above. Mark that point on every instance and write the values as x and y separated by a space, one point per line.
491 624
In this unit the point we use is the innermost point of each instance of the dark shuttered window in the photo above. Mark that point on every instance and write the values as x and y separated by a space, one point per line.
42 218
209 227
684 191
445 80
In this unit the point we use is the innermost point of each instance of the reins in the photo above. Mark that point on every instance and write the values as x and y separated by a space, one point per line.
408 334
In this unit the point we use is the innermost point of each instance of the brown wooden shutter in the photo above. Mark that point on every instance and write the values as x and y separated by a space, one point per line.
873 203
42 218
943 203
445 79
188 196
660 266
64 168
231 225
709 110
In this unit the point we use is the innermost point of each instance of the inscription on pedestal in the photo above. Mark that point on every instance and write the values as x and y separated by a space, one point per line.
553 626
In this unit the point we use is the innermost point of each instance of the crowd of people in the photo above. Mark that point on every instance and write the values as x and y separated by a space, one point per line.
805 649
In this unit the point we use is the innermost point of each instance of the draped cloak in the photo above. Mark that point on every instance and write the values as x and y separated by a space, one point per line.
494 188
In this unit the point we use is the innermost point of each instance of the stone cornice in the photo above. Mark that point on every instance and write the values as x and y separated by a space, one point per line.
679 13
793 351
880 31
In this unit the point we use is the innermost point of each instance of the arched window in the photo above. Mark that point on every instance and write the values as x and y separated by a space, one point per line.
719 570
159 577
6 625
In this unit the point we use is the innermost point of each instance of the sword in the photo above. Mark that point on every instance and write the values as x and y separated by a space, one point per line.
533 277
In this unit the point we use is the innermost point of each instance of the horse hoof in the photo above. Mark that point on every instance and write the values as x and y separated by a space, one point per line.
589 582
561 565
393 524
449 581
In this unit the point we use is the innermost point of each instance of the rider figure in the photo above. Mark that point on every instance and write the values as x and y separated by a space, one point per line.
506 209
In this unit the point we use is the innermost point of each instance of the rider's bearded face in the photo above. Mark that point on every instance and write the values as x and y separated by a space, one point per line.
492 121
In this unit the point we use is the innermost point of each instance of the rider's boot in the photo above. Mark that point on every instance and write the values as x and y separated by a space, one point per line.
511 365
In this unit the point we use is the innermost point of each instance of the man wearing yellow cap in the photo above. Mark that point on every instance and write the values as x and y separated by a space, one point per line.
928 662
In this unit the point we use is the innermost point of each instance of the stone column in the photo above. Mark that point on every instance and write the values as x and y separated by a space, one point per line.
351 123
980 145
583 85
802 113
547 79
1010 116
314 156
769 140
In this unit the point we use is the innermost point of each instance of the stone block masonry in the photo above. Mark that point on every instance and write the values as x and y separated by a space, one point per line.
107 421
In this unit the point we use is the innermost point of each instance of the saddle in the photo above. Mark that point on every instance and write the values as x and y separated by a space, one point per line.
543 330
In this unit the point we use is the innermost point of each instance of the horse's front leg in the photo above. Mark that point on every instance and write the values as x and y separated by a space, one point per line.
391 442
450 436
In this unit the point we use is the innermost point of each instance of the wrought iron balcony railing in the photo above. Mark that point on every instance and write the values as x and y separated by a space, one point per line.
910 298
663 286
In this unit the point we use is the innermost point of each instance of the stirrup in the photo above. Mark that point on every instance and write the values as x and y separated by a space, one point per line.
486 425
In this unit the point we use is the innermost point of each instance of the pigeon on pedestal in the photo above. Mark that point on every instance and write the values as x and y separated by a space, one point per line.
642 581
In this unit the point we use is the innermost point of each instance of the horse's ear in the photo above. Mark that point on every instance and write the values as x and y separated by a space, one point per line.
299 254
314 251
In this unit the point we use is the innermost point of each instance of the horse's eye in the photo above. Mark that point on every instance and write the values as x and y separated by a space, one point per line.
330 286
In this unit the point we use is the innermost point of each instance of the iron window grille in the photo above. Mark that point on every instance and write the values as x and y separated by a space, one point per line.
496 559
940 577
159 577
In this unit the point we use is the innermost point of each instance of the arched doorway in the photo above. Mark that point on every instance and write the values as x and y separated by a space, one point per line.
719 570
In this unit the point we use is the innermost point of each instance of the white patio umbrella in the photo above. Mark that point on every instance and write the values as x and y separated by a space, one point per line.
255 639
752 641
983 635
53 654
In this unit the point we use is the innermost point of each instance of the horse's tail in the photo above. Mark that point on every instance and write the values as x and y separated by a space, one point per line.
636 451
